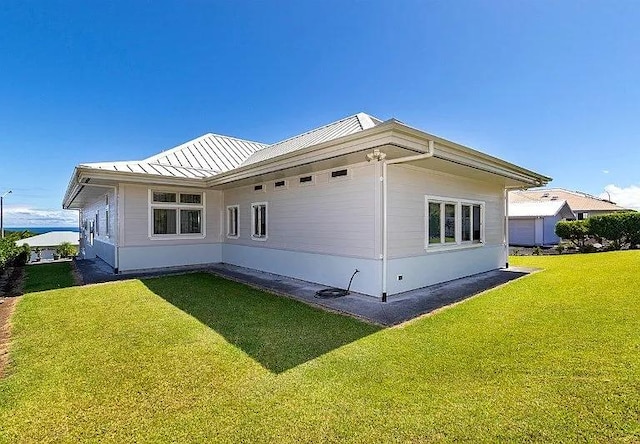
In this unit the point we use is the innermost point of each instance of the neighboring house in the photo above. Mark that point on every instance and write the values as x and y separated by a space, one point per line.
583 205
48 242
534 222
405 208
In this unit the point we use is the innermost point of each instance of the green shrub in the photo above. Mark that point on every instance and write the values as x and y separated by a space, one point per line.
575 231
621 229
65 249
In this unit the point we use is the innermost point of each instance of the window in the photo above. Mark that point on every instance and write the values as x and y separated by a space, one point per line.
442 222
257 188
471 223
280 184
164 221
583 216
190 198
233 215
259 221
176 214
190 221
164 197
97 223
453 222
306 179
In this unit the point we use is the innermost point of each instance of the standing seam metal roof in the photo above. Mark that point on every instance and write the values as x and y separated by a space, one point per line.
344 127
212 154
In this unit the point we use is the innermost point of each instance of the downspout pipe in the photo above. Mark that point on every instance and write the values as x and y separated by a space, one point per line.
385 206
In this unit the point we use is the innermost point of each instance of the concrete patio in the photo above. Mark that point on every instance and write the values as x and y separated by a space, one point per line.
398 309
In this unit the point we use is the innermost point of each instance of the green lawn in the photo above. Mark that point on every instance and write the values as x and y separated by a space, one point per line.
551 357
40 277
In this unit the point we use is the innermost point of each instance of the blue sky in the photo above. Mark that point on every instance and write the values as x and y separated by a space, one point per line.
551 86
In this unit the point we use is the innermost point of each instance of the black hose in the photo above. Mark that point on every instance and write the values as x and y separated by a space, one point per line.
328 293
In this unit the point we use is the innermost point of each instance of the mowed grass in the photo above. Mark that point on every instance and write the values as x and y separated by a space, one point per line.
41 277
552 357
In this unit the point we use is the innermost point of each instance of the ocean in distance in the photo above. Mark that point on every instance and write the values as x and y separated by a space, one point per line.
41 230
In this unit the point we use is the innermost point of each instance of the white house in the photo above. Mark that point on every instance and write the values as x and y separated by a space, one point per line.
534 222
406 208
582 204
48 243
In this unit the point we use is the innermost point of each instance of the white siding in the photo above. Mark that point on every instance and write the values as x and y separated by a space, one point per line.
407 187
103 243
331 216
135 218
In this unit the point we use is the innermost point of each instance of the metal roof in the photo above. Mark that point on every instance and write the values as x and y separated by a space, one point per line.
209 152
539 208
51 239
577 200
203 157
344 127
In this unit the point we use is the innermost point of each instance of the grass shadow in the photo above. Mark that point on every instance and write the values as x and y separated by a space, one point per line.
277 332
42 277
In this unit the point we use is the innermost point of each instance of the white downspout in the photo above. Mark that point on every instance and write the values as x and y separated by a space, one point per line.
385 242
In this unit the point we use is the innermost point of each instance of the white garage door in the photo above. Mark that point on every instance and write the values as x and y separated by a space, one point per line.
522 232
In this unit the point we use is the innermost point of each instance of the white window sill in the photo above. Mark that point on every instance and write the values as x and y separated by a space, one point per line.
161 237
233 237
442 248
259 238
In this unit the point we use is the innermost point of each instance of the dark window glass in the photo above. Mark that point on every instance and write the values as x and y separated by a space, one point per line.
476 223
306 179
190 198
434 223
466 223
164 197
164 221
257 188
449 223
280 183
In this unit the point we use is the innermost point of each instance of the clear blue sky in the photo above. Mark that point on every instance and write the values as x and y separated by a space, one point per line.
553 86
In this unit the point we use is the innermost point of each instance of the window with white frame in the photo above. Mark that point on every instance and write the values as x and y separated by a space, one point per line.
453 222
176 214
259 221
233 221
97 223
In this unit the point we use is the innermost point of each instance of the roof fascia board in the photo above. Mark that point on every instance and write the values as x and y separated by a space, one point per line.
361 141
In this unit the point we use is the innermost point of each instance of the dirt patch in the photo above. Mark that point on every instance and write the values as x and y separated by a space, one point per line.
7 307
12 282
75 273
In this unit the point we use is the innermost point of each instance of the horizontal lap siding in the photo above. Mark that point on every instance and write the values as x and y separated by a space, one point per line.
330 216
98 207
407 187
136 216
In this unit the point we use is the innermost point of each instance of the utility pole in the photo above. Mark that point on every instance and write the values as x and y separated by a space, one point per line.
2 213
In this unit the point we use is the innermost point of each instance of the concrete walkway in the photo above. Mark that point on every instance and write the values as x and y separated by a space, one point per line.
399 308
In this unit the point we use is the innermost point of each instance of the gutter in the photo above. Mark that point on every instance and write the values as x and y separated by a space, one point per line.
385 234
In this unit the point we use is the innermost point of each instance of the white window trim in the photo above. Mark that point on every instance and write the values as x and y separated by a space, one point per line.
458 244
237 235
253 221
262 190
176 206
